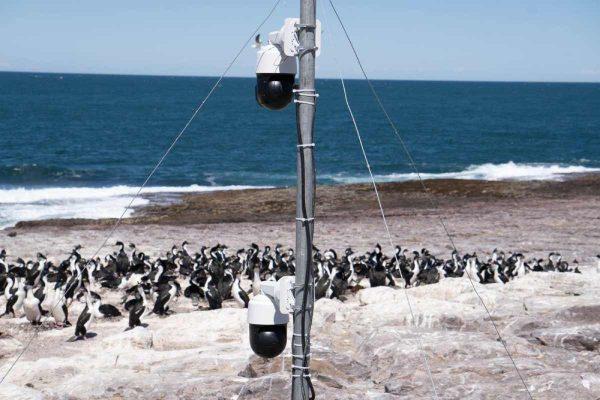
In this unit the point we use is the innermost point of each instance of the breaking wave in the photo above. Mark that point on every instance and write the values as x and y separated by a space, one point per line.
34 203
27 204
487 172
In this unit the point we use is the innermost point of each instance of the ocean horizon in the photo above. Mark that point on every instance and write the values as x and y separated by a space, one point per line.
327 78
79 145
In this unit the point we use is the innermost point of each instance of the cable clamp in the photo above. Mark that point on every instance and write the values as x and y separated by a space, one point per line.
306 92
301 356
301 286
300 367
304 102
301 376
297 334
305 145
305 219
304 26
302 51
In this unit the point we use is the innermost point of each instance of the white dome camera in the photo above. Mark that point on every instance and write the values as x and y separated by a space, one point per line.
276 65
268 315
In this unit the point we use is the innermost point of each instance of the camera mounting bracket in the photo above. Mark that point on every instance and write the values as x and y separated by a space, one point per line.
287 37
285 293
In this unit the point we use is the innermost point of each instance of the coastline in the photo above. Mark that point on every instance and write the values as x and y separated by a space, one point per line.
534 217
547 319
278 204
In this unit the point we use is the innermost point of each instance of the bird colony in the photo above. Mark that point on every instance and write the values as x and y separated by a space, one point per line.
43 291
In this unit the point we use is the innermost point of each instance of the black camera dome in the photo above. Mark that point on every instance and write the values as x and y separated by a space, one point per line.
268 341
274 91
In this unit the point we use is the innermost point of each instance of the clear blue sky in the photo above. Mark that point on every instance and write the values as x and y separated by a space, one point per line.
421 39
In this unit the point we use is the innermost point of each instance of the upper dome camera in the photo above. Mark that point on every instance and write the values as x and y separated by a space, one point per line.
275 76
276 64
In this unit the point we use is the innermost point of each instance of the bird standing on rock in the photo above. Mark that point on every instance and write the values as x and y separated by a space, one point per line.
239 294
32 307
84 321
137 309
215 276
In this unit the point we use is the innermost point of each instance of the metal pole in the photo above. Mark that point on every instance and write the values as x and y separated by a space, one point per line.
305 203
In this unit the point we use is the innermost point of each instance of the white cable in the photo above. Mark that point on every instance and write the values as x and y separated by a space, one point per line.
429 196
387 229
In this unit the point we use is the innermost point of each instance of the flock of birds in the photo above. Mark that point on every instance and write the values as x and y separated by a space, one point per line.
38 288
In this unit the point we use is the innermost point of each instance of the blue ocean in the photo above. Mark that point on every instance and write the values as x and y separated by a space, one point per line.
79 145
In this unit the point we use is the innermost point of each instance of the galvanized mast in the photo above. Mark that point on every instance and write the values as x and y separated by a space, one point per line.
305 202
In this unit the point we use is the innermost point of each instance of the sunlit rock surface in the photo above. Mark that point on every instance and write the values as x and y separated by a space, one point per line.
368 347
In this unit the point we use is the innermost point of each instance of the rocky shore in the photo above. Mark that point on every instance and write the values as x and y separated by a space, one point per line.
364 348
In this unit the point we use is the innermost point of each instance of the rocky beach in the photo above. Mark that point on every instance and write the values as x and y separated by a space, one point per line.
363 348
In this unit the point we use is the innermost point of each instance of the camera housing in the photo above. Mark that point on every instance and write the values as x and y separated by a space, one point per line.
275 76
276 64
268 317
268 341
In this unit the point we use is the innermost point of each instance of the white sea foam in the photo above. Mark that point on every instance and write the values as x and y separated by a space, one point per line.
489 172
27 204
33 195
